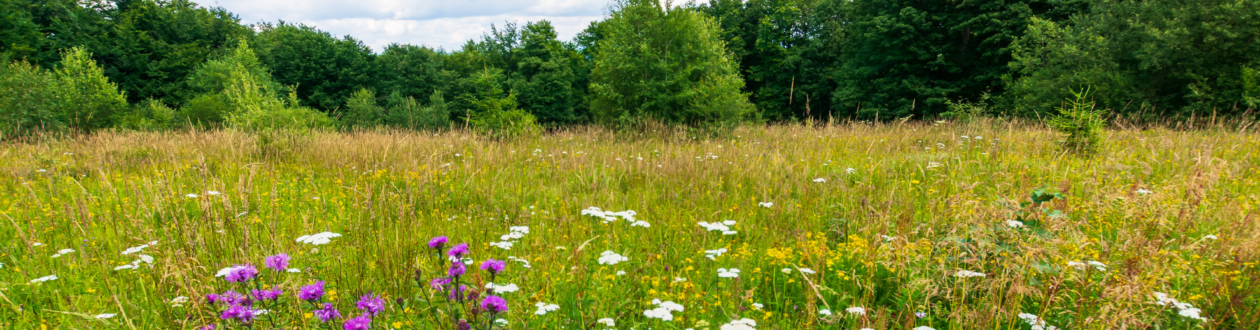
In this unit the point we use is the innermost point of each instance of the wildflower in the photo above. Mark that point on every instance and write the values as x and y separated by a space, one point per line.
923 328
137 249
371 303
968 273
856 310
607 322
363 322
502 288
641 223
241 273
463 325
611 258
272 294
850 170
294 270
494 304
621 272
1211 237
820 180
318 239
439 283
808 271
327 313
1143 191
920 314
786 270
714 226
1014 223
758 306
766 204
728 273
459 251
179 301
502 245
457 292
105 316
62 252
741 324
1098 265
44 279
713 254
493 266
824 312
519 229
512 236
312 292
278 262
544 308
241 313
659 313
191 195
227 298
888 238
438 242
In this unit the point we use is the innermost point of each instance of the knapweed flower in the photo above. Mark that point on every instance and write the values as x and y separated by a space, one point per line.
228 298
318 239
463 325
607 322
363 322
278 262
493 266
611 258
438 242
312 292
327 314
371 303
728 273
494 304
457 292
272 294
241 273
439 283
544 308
241 313
458 251
457 269
856 310
967 273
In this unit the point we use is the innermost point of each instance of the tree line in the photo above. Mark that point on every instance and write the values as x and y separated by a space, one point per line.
153 64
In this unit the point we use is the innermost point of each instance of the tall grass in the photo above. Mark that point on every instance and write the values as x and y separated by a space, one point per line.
885 216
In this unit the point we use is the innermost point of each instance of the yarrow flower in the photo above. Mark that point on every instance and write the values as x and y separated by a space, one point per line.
44 279
502 288
494 304
856 310
728 273
318 239
824 312
611 258
371 303
438 242
741 324
607 322
967 273
766 204
663 311
328 313
713 254
312 292
363 322
278 262
544 308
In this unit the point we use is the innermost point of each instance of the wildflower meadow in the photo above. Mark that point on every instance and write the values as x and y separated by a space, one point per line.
947 225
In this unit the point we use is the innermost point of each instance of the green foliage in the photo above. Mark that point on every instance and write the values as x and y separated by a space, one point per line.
967 111
361 111
90 99
253 104
505 123
150 115
413 71
406 112
206 109
665 64
29 100
1081 122
545 81
1251 87
326 70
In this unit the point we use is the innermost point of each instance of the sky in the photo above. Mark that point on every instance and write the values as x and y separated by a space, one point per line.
436 23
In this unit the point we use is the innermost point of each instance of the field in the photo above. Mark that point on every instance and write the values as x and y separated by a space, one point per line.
984 225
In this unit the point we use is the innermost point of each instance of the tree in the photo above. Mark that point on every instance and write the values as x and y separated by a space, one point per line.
326 70
545 79
90 100
666 64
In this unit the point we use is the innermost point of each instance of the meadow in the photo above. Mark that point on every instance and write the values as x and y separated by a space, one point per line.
983 225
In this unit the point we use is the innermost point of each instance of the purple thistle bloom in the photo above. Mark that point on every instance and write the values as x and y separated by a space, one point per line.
232 298
459 251
457 269
279 262
463 325
458 291
438 242
439 283
371 303
328 313
493 266
312 292
272 294
212 298
239 313
242 274
494 304
363 322
206 327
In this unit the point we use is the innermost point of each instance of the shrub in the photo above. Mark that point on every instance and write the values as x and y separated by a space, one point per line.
90 100
406 112
29 100
361 110
505 123
1081 122
206 109
149 115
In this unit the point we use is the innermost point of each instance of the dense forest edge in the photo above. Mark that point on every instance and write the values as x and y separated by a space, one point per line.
157 65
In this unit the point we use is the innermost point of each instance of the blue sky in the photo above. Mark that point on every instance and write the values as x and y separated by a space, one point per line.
447 24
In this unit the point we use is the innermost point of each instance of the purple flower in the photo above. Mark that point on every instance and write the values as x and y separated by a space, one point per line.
463 325
241 274
438 242
457 269
459 291
272 294
494 304
493 266
206 327
239 313
371 303
459 251
312 292
328 313
363 322
439 283
212 298
279 262
232 298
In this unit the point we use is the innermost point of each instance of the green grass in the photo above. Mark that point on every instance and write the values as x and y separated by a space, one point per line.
921 203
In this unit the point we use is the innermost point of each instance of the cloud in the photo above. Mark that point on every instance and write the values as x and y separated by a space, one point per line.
447 24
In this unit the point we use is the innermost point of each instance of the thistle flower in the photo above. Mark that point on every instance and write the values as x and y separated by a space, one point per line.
241 313
493 266
458 251
312 292
438 242
363 322
272 294
457 269
371 303
278 262
241 273
327 314
494 304
439 283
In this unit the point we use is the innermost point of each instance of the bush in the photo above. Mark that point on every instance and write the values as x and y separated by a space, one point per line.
29 100
90 100
1081 122
406 112
505 123
206 109
361 110
150 115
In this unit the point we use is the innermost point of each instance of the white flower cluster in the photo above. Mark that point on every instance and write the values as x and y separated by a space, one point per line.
820 180
663 311
544 308
524 263
724 226
713 254
1014 223
1184 309
143 258
856 310
607 322
740 324
611 258
1035 322
44 279
63 252
179 301
514 233
728 273
766 204
503 288
609 216
1081 265
318 239
967 273
138 249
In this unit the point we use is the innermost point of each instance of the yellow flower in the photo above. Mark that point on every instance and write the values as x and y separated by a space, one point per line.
397 325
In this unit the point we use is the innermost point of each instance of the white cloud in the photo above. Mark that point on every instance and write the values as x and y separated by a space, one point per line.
447 24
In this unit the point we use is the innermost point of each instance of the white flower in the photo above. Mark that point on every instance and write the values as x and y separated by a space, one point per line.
968 273
63 252
544 308
104 316
787 270
225 271
824 312
212 193
1098 265
611 258
607 322
888 238
741 324
641 223
1014 223
501 321
728 273
179 301
1143 191
621 272
808 271
1192 313
37 244
191 195
502 288
44 279
757 306
658 313
856 310
512 236
932 165
258 312
519 229
148 259
716 226
850 170
294 270
318 239
766 204
137 249
1210 237
713 254
466 261
923 328
524 263
502 245
668 305
729 232
127 266
679 280
820 180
